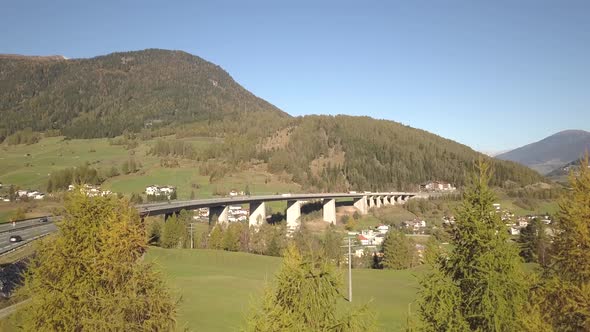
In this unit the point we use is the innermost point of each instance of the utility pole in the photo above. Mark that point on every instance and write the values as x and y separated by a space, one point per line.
349 272
192 241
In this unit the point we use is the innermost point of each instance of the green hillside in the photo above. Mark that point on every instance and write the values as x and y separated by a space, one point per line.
107 95
361 153
178 109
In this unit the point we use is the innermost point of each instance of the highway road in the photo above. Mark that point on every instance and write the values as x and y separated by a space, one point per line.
28 235
23 224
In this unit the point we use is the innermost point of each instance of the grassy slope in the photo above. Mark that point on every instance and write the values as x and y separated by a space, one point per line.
54 153
218 288
542 206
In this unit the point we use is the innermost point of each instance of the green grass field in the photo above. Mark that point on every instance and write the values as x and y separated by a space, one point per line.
29 166
542 206
217 288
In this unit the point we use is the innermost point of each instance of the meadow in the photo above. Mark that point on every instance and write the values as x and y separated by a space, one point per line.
217 289
29 167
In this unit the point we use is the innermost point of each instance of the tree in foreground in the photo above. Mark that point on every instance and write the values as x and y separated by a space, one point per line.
479 286
399 252
305 298
566 291
534 243
90 276
175 232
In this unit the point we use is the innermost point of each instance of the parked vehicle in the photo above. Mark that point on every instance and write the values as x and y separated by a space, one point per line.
43 219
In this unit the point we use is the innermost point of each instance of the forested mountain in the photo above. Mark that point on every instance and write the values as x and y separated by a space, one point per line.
106 95
551 152
160 93
348 152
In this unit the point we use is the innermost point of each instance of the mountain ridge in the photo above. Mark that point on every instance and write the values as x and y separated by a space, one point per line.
106 95
155 93
551 152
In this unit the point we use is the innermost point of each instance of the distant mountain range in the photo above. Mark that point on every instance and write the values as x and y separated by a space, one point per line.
172 95
551 153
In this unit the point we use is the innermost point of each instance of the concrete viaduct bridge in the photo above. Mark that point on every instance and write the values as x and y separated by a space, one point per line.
219 207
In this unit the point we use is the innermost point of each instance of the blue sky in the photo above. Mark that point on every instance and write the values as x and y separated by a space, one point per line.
490 74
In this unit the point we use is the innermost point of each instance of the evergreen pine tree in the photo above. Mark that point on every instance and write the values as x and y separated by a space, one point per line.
216 238
567 279
90 276
231 237
534 242
479 286
305 298
175 232
398 251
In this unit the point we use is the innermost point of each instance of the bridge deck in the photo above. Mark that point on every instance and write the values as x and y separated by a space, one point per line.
174 206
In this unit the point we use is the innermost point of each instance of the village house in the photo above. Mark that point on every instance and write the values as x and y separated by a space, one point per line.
415 225
91 190
155 190
383 229
28 193
514 230
363 240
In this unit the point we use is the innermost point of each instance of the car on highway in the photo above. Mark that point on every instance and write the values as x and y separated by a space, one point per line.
43 219
15 238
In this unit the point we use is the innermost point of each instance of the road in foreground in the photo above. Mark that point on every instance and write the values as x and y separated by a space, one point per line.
27 234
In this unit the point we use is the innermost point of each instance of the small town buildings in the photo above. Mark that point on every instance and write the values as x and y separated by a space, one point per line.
437 186
155 190
416 225
28 193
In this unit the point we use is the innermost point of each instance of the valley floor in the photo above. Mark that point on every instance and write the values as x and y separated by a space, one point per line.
217 288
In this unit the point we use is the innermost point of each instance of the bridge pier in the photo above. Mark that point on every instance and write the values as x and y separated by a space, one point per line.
293 215
401 199
361 205
257 214
218 214
386 200
329 210
405 198
378 202
371 202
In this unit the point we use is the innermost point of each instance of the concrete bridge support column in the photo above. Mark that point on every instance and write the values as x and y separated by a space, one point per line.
378 202
386 200
257 214
405 198
329 210
361 205
400 199
218 214
371 202
293 215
